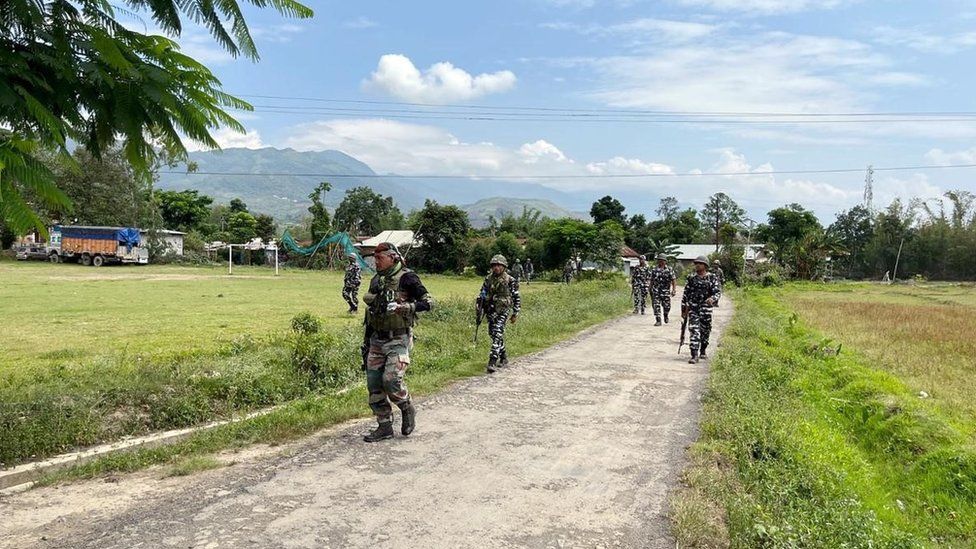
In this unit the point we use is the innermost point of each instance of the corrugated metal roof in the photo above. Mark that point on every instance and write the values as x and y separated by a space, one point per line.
400 238
689 252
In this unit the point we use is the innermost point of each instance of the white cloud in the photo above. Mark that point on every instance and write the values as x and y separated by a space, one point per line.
924 41
442 82
230 139
532 153
275 33
766 7
361 22
888 188
944 158
641 30
619 165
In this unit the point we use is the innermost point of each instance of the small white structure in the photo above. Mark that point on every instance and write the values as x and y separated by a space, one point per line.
686 253
404 240
172 240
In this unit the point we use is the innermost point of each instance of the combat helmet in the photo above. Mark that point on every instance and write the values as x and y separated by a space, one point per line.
661 257
701 259
716 262
499 259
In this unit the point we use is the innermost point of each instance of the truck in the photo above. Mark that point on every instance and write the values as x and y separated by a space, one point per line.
97 246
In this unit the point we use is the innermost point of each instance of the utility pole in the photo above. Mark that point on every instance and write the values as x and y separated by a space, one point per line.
868 189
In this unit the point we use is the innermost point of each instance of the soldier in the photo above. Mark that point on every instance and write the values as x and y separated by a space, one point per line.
702 292
663 288
639 281
394 298
568 271
499 296
529 270
517 272
351 283
717 271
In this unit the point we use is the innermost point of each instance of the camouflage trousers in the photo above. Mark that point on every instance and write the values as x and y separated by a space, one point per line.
700 326
349 294
386 363
496 331
661 302
640 298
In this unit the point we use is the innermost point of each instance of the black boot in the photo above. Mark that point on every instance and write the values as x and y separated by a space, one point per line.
702 355
491 366
503 359
409 417
665 318
658 323
694 358
382 432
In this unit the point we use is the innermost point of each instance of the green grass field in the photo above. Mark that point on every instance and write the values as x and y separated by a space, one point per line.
92 355
815 430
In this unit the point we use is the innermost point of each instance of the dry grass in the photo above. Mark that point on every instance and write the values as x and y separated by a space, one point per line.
925 335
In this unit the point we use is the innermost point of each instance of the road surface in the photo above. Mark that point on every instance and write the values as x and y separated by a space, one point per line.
577 446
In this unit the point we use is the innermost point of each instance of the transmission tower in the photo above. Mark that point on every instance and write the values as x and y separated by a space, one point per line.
868 191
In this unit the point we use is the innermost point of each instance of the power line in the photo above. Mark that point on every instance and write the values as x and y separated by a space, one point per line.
608 111
571 176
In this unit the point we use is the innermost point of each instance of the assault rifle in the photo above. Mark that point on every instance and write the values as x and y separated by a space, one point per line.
684 327
479 312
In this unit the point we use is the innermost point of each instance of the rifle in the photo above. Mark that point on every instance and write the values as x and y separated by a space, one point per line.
367 333
479 311
684 326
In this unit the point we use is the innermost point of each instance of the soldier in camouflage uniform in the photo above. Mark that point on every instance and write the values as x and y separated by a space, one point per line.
568 271
640 279
500 300
351 283
394 298
529 270
702 292
517 272
662 289
717 271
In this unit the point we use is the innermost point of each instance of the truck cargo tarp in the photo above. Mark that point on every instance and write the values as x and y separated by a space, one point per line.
127 237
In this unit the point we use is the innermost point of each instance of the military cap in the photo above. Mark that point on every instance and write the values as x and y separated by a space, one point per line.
661 257
499 260
701 259
387 247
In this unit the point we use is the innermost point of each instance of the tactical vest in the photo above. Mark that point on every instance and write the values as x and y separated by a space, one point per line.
499 293
382 291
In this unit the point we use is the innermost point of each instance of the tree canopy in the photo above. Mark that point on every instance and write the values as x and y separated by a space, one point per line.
366 212
608 208
70 72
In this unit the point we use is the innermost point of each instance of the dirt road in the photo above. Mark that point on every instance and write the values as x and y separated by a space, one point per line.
577 446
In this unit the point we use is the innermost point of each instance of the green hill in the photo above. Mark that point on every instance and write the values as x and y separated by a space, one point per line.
496 207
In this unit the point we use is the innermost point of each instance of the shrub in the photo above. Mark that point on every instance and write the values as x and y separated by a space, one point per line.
306 323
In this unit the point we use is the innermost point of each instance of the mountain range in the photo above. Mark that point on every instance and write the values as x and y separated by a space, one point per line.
278 182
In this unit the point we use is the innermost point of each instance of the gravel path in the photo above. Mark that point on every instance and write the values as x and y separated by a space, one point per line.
577 446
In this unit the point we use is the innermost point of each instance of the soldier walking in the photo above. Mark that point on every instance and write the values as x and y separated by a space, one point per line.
529 270
702 292
517 272
717 271
663 288
568 272
640 278
351 283
500 300
394 298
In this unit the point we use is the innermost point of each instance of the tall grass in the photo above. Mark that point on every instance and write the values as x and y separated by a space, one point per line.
48 410
804 447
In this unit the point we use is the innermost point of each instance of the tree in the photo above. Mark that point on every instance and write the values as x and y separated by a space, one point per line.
892 228
320 225
639 234
564 239
718 211
529 224
507 245
265 227
668 208
443 231
608 208
363 211
242 227
237 205
183 210
605 247
787 225
102 191
685 228
854 229
70 72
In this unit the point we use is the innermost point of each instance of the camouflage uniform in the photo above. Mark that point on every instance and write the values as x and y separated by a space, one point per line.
350 285
529 271
517 271
661 279
699 289
717 271
501 299
640 279
391 337
568 272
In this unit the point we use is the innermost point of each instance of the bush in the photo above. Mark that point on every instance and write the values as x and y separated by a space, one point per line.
764 274
306 324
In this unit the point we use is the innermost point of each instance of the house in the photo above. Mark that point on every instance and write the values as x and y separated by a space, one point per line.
172 241
685 254
404 240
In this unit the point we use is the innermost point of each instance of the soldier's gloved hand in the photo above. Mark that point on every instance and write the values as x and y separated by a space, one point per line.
710 301
403 309
674 293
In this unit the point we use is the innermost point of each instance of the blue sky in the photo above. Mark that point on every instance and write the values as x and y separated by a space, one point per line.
787 56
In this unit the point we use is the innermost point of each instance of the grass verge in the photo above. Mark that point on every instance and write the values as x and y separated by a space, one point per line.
805 447
443 354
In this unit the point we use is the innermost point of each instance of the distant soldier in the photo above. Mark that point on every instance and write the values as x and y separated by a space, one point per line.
640 279
500 300
702 292
529 270
568 271
351 283
663 288
517 272
395 297
717 271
